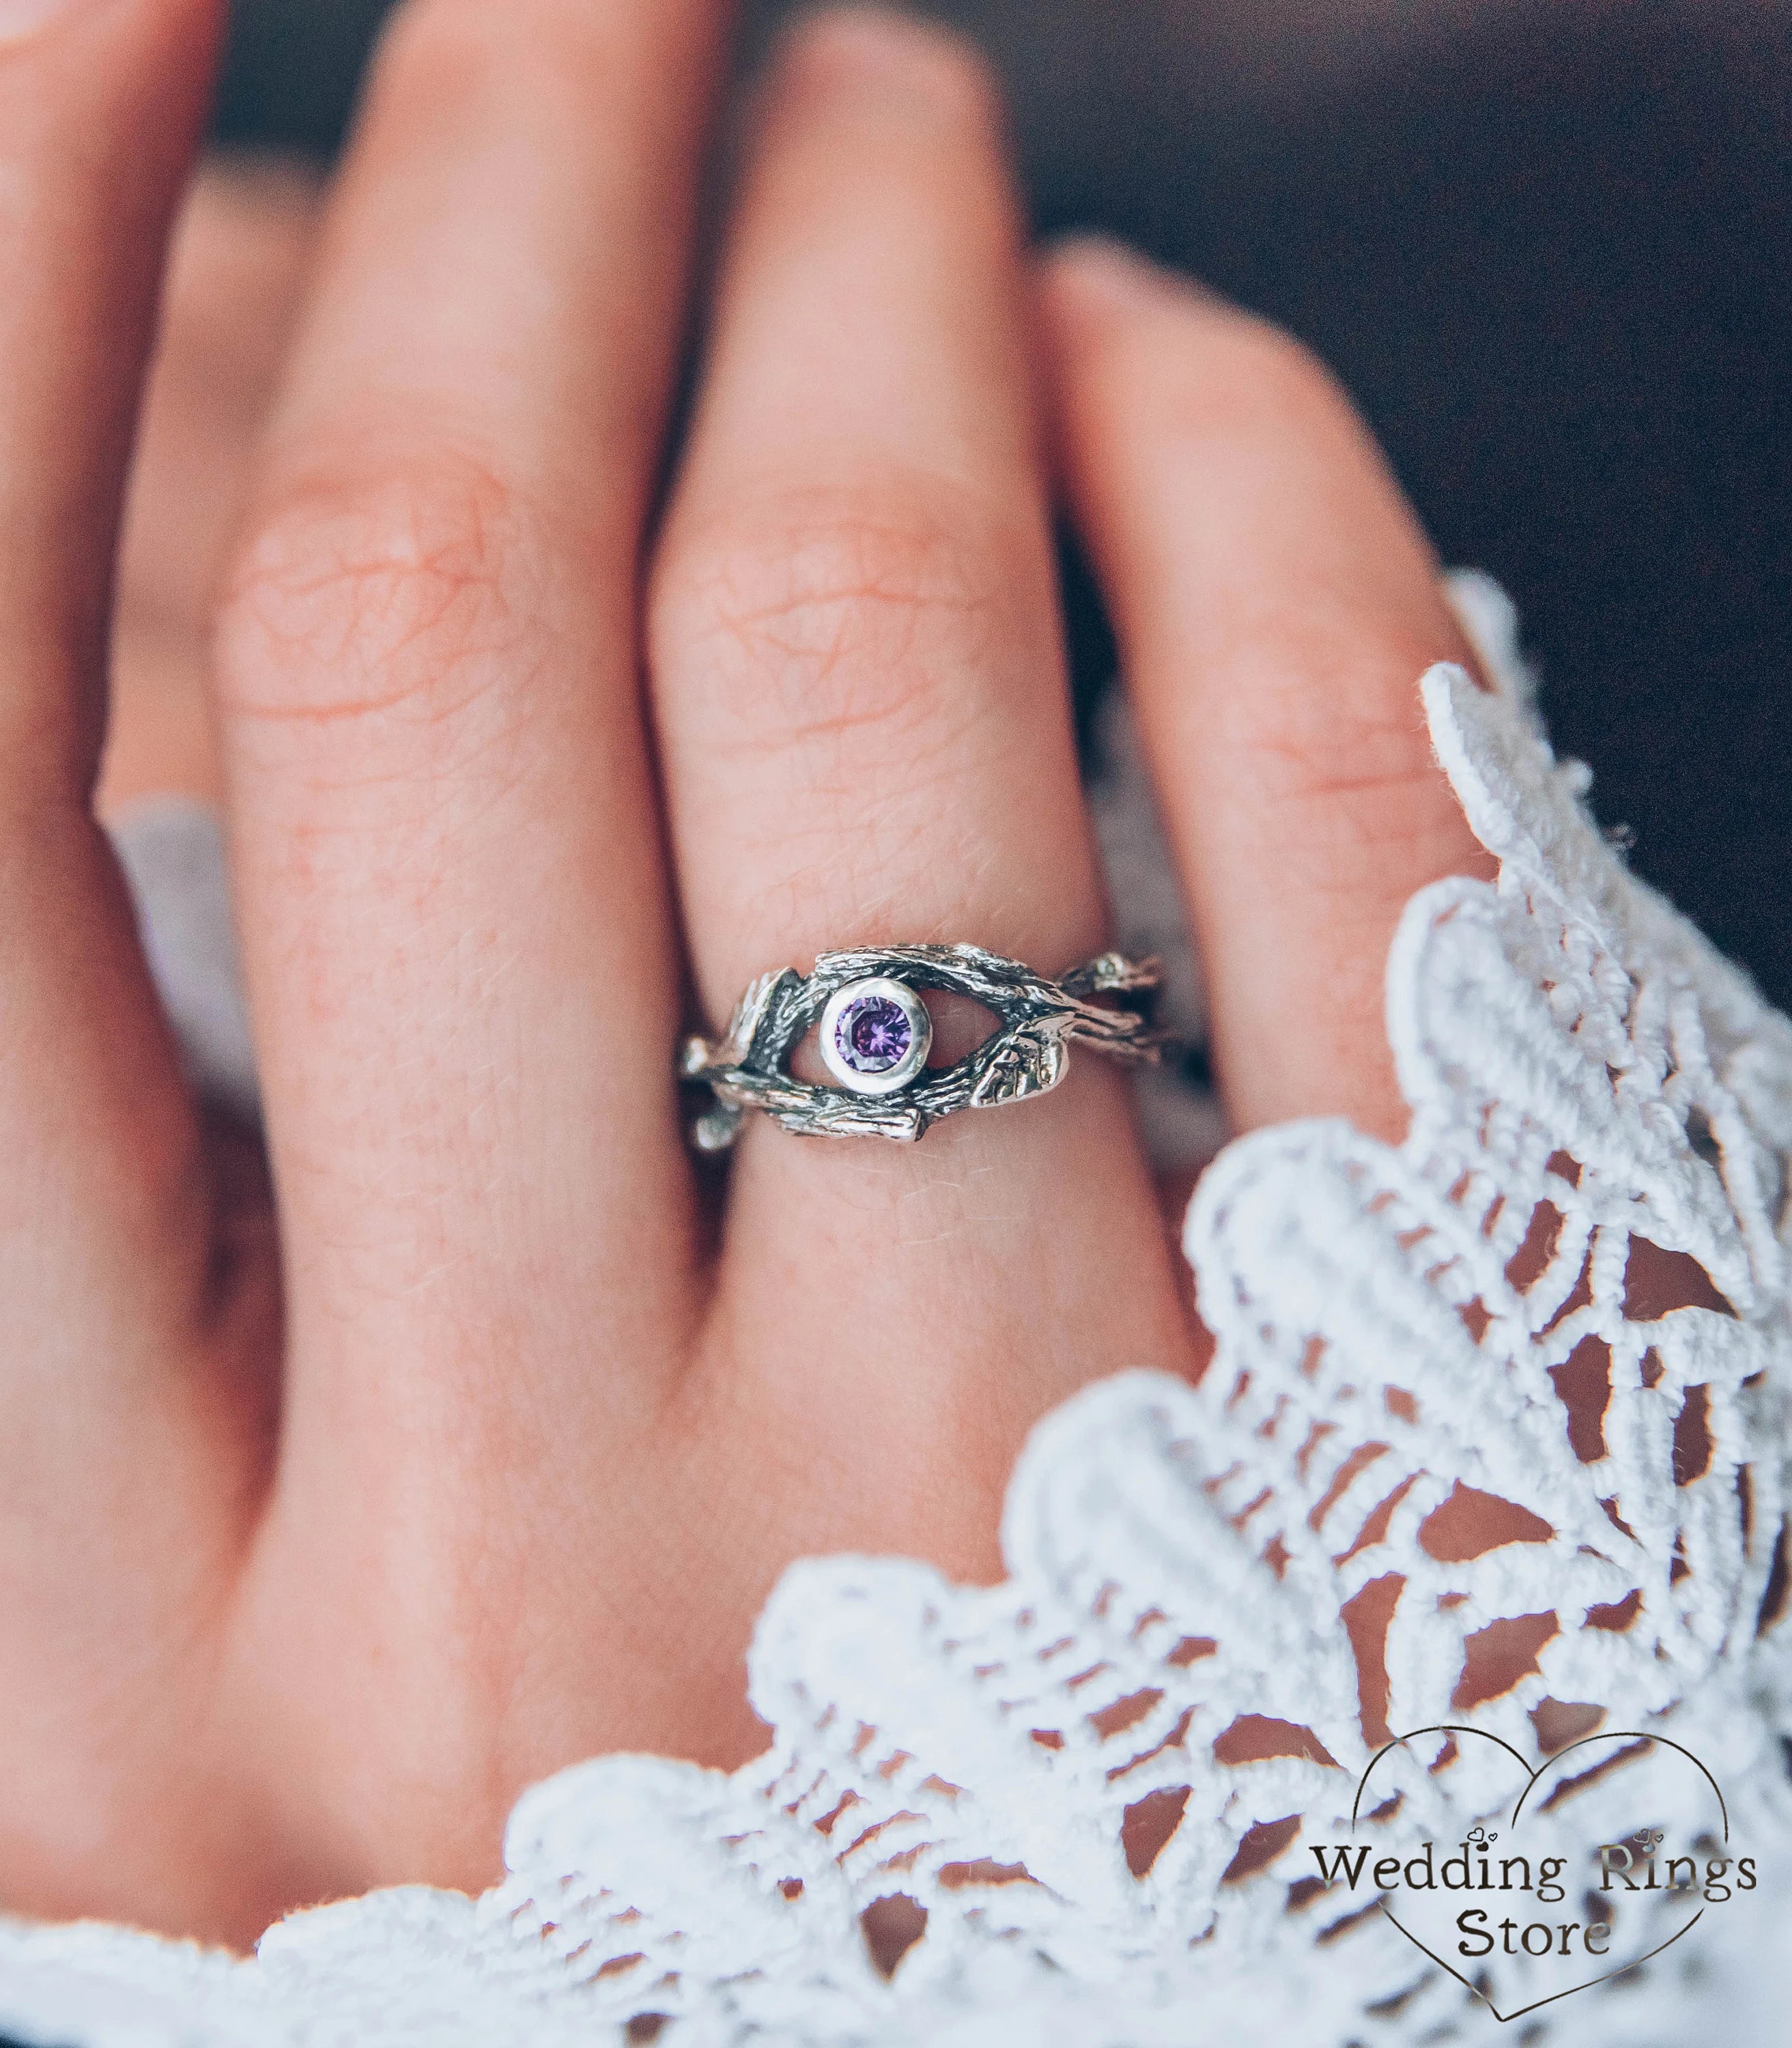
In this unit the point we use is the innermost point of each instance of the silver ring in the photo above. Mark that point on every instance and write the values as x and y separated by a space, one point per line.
876 1034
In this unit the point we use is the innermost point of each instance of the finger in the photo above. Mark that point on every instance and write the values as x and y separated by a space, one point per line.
454 920
237 269
104 1220
1276 605
866 739
124 1455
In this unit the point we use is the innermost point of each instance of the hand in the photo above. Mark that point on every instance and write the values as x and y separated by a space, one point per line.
318 1540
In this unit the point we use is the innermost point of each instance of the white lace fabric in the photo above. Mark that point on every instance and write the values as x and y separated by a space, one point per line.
1495 1435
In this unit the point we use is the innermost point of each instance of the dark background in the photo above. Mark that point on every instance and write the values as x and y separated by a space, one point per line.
1547 245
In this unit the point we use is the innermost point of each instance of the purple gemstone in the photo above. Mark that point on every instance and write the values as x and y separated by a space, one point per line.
873 1034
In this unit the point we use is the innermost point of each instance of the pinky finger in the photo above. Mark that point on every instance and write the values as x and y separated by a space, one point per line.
1276 605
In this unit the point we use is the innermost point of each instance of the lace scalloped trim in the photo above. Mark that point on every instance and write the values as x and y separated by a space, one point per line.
1494 1434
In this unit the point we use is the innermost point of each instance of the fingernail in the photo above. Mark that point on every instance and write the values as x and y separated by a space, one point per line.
20 18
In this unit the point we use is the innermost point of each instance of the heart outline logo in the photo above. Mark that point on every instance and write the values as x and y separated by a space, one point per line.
1550 1764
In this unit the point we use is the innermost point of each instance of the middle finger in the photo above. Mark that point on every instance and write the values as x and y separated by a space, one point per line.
444 831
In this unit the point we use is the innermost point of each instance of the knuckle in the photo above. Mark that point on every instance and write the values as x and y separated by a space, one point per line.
836 619
399 587
1319 726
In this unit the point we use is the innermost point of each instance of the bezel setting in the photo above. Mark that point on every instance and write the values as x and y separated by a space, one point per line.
1104 1004
857 1080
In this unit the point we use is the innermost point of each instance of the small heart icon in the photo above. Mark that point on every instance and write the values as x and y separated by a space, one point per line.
1603 1856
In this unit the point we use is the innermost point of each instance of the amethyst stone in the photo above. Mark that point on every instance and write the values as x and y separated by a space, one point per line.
873 1034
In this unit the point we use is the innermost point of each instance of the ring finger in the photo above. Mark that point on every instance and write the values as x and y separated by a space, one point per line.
867 739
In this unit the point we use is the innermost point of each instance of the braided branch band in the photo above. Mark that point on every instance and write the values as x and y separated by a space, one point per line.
746 1069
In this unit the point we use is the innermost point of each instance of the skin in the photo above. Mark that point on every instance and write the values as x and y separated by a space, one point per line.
339 1504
